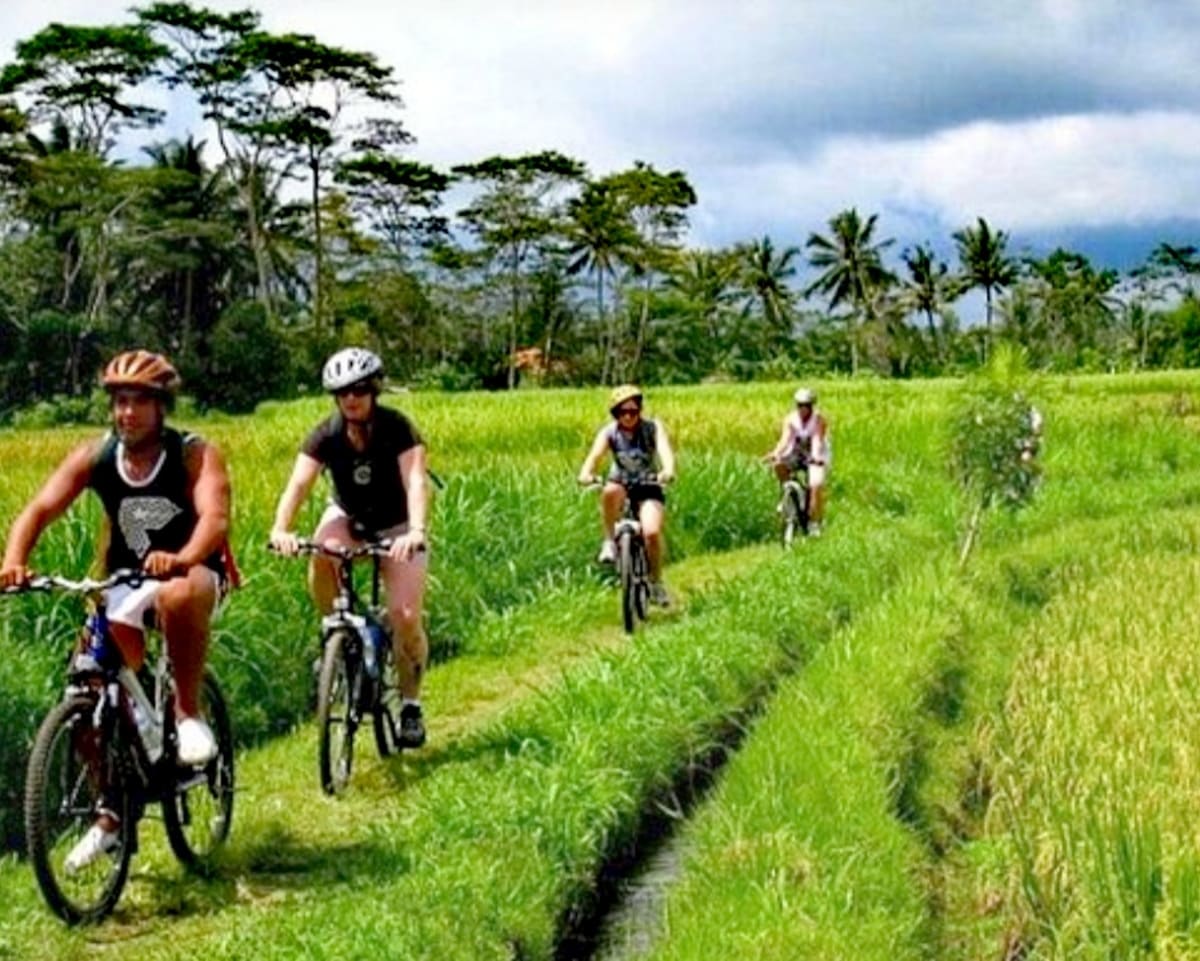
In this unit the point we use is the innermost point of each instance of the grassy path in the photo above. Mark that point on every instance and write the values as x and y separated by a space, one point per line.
290 842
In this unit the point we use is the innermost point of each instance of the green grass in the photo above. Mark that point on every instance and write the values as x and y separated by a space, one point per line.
917 789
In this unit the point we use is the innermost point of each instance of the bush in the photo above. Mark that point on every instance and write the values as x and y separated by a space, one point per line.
249 361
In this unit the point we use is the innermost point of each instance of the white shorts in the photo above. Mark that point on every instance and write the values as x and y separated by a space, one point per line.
129 605
335 515
817 473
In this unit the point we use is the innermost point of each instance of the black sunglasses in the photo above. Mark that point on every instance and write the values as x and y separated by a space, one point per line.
628 411
354 390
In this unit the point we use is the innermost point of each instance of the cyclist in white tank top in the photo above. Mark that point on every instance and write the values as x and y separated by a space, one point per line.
804 445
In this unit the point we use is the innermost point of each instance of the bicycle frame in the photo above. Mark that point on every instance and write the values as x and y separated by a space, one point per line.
90 749
352 681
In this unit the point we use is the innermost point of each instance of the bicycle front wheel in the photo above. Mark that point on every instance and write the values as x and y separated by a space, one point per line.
792 515
75 769
198 810
337 710
627 572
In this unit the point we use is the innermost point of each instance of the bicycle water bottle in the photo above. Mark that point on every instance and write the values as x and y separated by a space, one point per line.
148 727
373 641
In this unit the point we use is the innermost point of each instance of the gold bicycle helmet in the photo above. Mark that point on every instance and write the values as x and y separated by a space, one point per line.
621 394
142 370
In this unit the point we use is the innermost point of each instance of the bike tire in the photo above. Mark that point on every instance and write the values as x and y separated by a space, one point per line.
337 712
387 707
792 514
641 576
198 811
628 577
61 800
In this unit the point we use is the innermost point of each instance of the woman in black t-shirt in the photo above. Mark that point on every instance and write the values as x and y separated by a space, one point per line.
376 461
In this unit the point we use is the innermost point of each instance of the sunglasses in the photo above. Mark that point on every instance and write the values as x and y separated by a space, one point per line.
354 390
628 411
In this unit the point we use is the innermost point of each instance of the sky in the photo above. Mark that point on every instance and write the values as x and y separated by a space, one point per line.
1062 122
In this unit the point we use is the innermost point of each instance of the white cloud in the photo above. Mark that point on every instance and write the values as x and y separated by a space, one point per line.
1036 114
1080 171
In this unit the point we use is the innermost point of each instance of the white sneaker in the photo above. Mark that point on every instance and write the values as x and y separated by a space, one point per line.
91 846
608 553
197 746
659 595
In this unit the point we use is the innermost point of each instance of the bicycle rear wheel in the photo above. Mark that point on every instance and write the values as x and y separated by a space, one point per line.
337 710
198 811
629 581
75 769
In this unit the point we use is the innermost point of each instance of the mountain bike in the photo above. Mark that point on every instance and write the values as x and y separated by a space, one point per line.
109 746
793 506
632 561
357 677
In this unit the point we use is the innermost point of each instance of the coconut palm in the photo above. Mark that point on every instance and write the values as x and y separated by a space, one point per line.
852 270
928 288
985 264
765 275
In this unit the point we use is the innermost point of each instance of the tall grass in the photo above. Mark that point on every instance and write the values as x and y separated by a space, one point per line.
509 525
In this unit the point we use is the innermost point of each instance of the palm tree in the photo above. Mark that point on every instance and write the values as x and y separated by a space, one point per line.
929 288
851 265
985 264
705 282
602 238
1180 264
765 276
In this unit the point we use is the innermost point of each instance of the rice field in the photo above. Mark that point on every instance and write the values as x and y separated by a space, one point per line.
987 763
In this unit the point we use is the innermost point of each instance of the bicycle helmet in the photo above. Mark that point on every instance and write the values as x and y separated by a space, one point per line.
805 396
350 366
621 394
142 370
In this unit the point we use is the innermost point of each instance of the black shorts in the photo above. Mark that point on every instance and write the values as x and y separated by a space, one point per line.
638 494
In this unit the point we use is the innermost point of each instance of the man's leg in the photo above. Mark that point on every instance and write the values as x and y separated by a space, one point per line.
185 606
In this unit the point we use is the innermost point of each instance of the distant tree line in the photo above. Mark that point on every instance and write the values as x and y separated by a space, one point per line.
298 223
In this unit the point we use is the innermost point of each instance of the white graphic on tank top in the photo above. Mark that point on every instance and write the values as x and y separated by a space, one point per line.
362 474
137 516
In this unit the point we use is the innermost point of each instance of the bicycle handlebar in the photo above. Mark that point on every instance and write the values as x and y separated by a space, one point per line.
596 483
86 585
378 548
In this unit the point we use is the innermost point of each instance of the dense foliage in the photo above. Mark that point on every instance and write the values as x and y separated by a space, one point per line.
292 220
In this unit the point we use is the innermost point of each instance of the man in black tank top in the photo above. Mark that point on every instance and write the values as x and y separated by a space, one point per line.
642 462
166 498
376 460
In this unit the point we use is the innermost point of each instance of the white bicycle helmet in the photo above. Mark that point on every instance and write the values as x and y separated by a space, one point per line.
349 366
805 396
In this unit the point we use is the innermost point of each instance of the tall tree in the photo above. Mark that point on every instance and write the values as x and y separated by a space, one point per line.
514 213
315 83
1076 304
766 274
983 254
82 77
657 204
852 269
600 237
928 288
398 198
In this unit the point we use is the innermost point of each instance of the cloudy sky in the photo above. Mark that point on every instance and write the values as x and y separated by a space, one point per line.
1073 122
